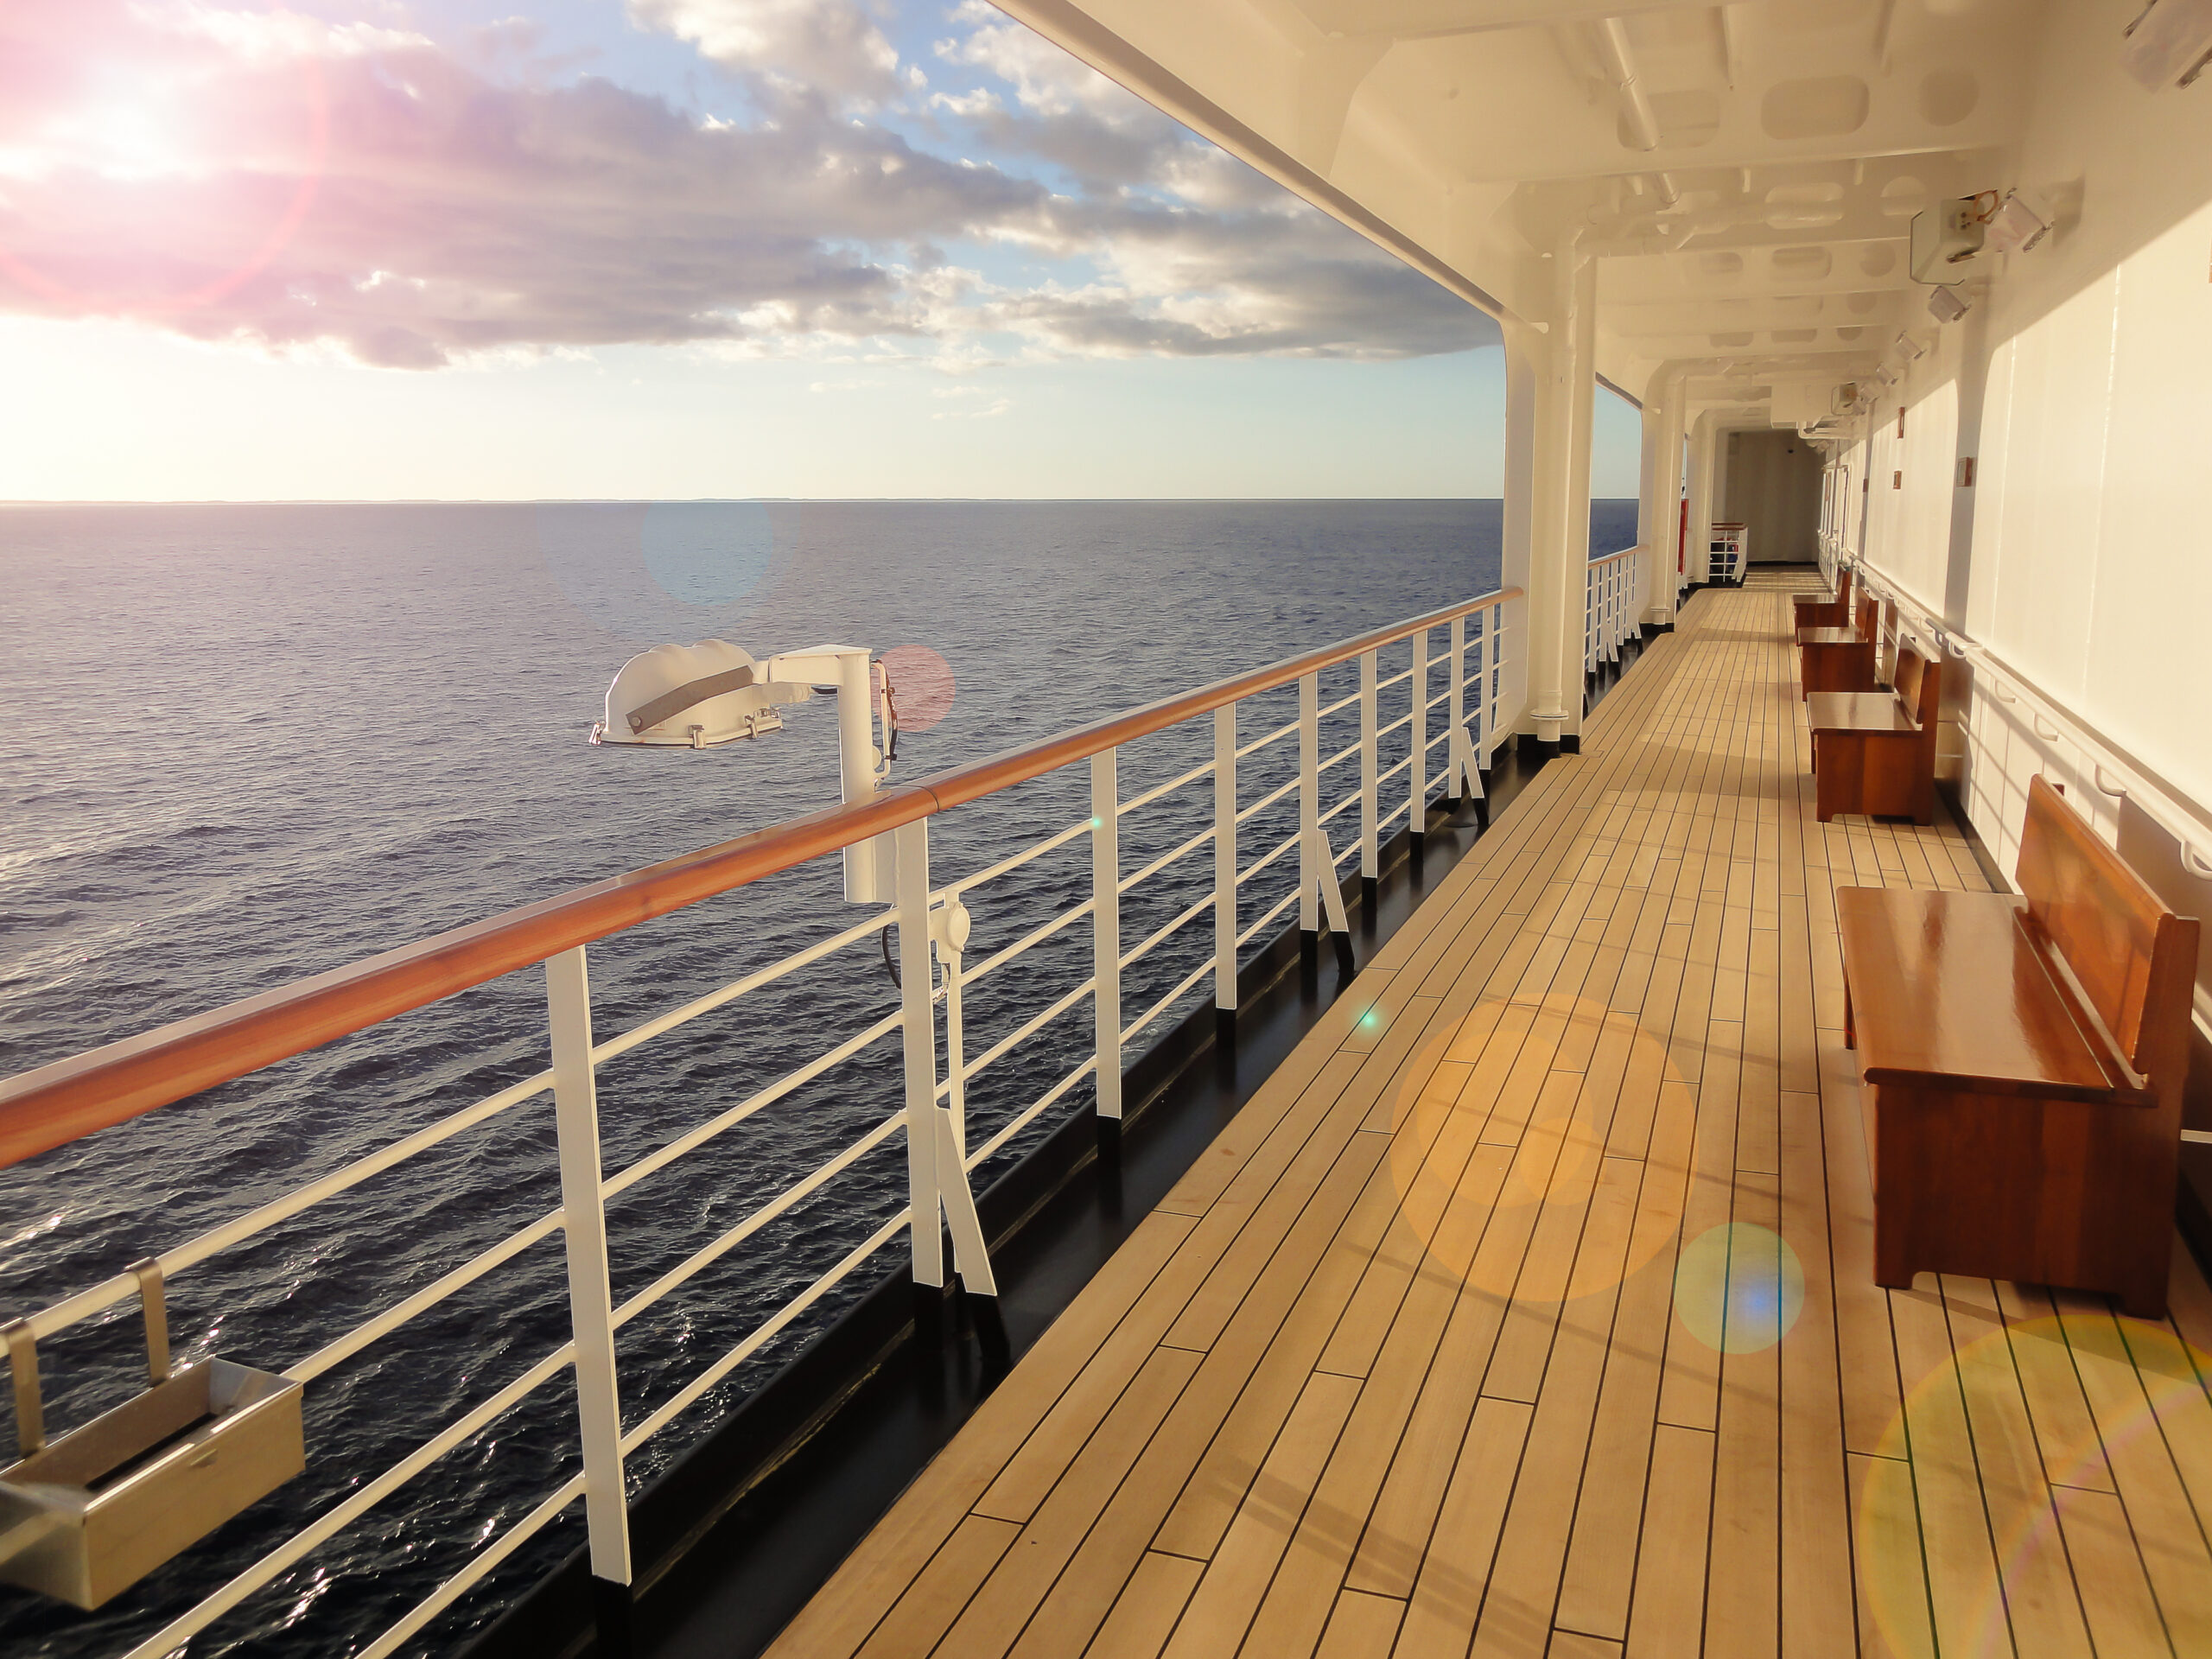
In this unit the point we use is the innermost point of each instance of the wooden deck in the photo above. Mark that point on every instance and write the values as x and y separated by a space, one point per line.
1463 1337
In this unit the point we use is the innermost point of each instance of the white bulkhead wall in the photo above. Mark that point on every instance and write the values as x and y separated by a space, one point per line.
2089 561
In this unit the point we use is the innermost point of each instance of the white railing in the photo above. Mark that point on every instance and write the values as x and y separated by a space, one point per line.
1724 558
1613 605
2106 776
1460 707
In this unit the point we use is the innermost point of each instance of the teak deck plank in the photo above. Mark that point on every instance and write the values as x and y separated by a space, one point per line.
1429 1352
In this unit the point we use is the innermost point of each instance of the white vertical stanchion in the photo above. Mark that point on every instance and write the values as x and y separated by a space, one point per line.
1309 803
1417 817
1486 698
591 1309
1224 858
920 1021
936 1176
1106 927
1320 899
1464 780
1370 850
949 944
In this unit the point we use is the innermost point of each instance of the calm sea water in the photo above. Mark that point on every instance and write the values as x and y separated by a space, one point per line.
244 745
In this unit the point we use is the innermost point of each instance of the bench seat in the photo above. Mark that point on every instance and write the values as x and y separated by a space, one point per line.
1954 988
2023 1061
1874 752
1840 656
1859 711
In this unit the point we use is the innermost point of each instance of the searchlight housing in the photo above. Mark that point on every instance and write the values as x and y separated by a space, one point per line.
704 695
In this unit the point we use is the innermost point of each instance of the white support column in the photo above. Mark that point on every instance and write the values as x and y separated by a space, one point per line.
1106 926
1417 773
1224 858
591 1308
1703 443
919 1021
1660 512
1559 555
1370 849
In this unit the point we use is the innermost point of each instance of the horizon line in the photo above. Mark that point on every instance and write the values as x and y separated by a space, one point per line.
730 500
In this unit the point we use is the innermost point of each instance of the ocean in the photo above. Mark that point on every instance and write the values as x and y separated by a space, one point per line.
247 744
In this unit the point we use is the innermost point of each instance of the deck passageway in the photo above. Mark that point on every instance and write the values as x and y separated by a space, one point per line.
1528 1309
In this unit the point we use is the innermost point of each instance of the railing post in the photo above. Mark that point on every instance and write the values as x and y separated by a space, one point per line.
1106 927
1370 850
1320 896
1417 773
920 1021
591 1308
1224 867
951 940
1466 782
1309 804
1589 619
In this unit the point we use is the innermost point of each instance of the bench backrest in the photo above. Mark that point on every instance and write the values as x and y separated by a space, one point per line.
1870 617
1918 686
2122 943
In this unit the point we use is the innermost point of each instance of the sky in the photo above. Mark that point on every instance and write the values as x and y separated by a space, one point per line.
445 249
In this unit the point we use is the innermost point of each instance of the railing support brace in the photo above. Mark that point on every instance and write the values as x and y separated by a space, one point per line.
1463 778
1106 927
937 1179
591 1308
1321 897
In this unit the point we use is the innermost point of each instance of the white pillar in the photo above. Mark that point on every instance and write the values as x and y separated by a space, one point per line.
1659 517
1704 441
1559 554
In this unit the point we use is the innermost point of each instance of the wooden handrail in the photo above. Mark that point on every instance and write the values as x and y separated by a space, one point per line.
1625 553
55 1105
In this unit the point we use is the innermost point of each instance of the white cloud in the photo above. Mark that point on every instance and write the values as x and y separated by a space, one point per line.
456 217
990 414
827 46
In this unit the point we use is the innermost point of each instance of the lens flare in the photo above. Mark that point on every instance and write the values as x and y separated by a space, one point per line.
666 570
921 686
136 137
1467 1150
1739 1288
2103 1389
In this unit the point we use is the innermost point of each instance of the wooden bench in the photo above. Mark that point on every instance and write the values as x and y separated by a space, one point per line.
1874 752
2024 1059
1827 612
1841 659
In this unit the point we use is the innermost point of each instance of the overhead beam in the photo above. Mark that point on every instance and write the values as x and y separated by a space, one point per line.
1082 36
